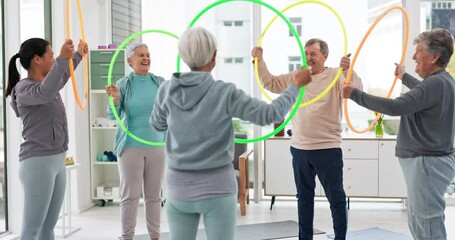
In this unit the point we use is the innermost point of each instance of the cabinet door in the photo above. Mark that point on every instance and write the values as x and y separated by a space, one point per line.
391 180
278 170
360 149
279 174
105 56
360 177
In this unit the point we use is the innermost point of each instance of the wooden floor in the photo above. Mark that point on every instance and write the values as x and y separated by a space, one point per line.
103 223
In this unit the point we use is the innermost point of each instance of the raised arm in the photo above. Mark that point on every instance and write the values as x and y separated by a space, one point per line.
408 80
82 50
275 84
158 118
415 100
345 63
47 89
258 112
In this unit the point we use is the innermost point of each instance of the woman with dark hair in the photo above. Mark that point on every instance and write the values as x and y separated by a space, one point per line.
425 137
37 101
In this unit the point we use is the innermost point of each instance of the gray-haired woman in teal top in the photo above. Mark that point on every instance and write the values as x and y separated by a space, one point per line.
141 166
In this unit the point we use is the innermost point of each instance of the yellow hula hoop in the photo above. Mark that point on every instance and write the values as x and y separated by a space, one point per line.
71 67
340 70
349 75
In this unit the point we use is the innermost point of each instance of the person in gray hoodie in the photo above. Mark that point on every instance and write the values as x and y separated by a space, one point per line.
427 129
37 101
197 112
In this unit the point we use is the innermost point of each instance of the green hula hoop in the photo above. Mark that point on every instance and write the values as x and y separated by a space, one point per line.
109 82
302 53
340 70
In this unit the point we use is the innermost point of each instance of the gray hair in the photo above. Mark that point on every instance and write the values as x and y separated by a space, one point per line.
196 47
322 44
132 48
437 41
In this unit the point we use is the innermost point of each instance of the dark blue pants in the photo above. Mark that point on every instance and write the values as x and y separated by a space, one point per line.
327 164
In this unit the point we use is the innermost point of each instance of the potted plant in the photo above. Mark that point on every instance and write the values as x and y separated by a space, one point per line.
379 128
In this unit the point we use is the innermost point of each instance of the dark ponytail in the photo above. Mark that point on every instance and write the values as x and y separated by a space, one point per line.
13 75
29 48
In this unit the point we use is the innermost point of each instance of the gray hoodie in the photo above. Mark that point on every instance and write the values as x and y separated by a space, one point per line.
197 112
41 109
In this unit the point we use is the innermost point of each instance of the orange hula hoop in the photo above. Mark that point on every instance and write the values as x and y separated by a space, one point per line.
349 75
71 66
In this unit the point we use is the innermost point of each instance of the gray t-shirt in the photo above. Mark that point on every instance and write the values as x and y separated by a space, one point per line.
197 185
427 113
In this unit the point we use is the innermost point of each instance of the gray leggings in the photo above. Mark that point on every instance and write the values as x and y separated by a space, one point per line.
141 171
427 178
43 180
219 213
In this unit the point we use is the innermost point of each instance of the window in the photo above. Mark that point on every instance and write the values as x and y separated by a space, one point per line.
442 17
233 23
297 22
235 60
295 63
3 192
126 19
280 50
377 77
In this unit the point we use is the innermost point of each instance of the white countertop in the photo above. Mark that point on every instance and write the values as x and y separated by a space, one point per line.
366 136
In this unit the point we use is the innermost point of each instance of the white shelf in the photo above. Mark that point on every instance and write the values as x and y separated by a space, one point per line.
99 91
102 198
102 138
104 128
105 163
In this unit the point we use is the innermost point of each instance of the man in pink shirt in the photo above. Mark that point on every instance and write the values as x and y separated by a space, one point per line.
316 138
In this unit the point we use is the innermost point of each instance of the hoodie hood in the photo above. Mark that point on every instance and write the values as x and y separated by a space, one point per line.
187 89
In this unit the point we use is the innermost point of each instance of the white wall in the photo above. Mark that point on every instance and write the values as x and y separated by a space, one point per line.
413 9
96 20
96 16
13 124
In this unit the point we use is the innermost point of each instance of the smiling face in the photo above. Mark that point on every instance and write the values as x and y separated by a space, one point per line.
424 60
315 58
42 64
140 61
47 60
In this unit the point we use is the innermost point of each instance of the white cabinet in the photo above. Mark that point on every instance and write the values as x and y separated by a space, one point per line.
391 177
101 139
360 177
279 174
104 174
360 171
282 163
359 149
370 169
